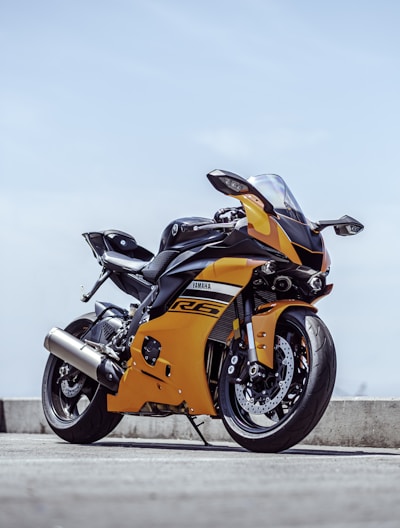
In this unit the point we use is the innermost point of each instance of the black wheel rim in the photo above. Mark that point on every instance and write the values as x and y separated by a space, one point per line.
69 391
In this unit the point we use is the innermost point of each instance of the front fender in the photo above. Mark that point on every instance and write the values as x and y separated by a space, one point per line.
264 327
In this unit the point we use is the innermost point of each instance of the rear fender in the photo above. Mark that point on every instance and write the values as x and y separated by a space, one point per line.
264 327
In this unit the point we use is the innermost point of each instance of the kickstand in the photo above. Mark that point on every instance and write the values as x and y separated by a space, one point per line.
196 427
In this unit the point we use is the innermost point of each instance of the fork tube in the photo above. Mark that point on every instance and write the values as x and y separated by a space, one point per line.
248 303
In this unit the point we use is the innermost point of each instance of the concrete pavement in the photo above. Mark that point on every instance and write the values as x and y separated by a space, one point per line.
128 483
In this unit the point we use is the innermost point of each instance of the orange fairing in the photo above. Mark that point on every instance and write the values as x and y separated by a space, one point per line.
265 228
178 376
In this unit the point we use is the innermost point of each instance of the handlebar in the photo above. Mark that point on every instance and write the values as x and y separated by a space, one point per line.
230 214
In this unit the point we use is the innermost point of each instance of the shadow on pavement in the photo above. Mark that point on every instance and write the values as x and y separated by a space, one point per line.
181 446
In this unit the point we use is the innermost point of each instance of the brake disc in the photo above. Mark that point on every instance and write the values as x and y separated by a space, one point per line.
72 387
261 402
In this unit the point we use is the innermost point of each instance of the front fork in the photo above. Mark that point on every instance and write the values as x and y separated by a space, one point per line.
260 325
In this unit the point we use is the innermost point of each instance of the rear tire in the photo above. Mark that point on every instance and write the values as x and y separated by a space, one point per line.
74 405
285 408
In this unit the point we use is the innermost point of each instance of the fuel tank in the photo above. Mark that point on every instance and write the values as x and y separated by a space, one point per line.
181 234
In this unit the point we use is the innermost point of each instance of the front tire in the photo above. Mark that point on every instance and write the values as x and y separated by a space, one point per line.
75 406
282 410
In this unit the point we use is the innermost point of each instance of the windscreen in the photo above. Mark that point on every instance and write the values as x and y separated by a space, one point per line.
275 190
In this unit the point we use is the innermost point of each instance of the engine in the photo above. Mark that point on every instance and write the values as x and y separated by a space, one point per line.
111 333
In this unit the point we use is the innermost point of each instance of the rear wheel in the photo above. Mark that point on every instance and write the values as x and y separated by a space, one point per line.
75 406
277 411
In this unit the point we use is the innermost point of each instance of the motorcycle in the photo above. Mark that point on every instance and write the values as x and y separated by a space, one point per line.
222 323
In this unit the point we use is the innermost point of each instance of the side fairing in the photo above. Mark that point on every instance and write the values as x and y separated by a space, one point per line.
187 266
178 375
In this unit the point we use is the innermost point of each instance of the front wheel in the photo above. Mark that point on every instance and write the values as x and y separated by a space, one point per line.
277 411
75 406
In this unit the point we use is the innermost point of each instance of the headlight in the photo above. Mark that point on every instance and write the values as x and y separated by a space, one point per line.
282 283
316 283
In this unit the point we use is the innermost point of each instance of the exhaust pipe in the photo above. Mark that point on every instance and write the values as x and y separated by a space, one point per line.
84 357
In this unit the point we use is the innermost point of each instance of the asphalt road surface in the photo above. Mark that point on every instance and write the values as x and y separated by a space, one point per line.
121 482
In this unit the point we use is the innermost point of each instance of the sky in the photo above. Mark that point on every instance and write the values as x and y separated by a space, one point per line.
112 113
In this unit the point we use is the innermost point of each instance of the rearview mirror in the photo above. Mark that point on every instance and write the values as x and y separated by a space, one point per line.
347 226
344 226
348 229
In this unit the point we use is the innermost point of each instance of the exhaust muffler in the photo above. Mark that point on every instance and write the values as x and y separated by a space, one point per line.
84 357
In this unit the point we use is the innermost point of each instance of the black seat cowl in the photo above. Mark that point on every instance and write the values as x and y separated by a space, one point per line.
118 262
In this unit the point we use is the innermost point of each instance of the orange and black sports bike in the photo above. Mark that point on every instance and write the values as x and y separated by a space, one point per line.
222 323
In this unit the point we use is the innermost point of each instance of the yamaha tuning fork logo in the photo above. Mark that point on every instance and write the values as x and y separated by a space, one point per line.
205 298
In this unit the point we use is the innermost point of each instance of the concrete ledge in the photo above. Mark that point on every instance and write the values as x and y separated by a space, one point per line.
351 422
22 415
